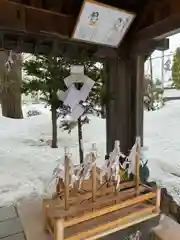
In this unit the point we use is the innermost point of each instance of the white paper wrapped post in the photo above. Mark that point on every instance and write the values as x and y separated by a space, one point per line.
77 69
76 76
77 112
86 88
73 96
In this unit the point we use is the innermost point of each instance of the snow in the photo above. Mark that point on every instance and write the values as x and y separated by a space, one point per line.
27 160
162 138
171 93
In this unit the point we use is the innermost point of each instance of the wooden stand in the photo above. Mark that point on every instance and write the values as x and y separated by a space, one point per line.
79 222
98 210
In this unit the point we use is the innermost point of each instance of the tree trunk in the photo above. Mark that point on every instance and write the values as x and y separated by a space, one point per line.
80 138
10 86
54 127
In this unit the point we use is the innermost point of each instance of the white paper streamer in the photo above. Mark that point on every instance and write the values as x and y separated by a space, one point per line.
131 159
111 168
59 173
77 172
86 167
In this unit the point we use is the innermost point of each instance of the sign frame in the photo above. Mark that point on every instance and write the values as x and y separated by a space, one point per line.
105 6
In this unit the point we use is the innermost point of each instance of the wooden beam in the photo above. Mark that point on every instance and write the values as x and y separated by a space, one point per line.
161 29
18 17
144 47
43 44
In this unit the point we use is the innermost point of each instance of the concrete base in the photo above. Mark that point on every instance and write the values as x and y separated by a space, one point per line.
10 224
31 215
168 229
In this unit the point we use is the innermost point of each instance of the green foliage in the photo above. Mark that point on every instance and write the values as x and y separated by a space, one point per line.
45 74
70 125
176 69
153 93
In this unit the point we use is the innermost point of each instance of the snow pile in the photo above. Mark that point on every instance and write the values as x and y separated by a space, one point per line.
162 136
27 161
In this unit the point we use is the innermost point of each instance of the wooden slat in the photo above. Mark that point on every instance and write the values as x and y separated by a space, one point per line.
102 191
109 217
78 199
12 16
133 218
121 227
51 23
20 17
106 210
76 210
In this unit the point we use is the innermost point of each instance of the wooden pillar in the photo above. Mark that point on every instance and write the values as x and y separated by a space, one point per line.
110 70
124 86
140 97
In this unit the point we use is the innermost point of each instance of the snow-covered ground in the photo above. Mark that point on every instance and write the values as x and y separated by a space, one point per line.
27 161
162 137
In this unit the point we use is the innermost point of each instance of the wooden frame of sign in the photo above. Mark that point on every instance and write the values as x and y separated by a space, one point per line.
99 209
113 13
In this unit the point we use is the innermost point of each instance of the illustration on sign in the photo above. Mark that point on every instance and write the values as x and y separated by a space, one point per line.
93 18
102 24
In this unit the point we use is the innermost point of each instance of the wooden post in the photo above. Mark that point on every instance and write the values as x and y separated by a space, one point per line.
158 200
45 209
140 96
66 183
59 229
93 173
94 183
137 177
58 187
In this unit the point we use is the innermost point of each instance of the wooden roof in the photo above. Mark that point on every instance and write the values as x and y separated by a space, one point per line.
39 25
61 15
